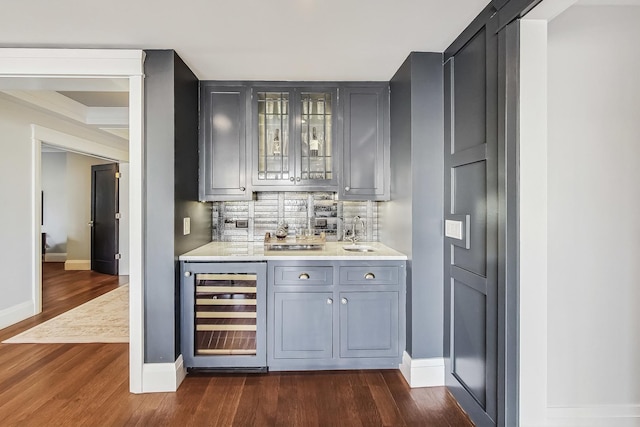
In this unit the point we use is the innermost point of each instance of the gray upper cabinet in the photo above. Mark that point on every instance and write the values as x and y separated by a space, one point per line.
365 142
223 137
294 138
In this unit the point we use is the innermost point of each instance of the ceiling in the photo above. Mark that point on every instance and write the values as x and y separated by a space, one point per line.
250 39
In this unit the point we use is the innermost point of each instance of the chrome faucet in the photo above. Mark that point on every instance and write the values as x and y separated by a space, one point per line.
354 231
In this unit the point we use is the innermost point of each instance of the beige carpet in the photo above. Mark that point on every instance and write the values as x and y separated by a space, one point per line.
103 319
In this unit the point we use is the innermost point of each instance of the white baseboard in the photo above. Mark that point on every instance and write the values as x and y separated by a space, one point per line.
77 264
422 372
17 313
163 377
594 416
55 257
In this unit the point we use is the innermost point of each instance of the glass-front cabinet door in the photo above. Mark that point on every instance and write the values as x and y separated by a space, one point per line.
294 138
274 161
316 136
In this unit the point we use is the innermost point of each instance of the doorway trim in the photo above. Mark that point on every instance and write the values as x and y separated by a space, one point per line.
102 63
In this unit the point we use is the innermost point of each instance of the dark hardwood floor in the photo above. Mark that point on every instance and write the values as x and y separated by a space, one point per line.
87 385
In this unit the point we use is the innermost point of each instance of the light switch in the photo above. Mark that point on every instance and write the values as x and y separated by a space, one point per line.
186 226
453 229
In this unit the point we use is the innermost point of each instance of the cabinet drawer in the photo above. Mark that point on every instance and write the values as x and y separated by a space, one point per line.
297 276
368 275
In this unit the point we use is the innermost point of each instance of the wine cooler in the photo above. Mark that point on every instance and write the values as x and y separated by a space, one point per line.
223 315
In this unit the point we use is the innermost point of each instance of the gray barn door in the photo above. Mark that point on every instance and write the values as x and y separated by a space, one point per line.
471 305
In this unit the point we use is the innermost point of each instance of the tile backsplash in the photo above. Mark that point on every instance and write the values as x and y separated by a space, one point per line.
318 210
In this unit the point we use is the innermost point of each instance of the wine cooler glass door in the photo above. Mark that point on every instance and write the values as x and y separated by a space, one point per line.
227 314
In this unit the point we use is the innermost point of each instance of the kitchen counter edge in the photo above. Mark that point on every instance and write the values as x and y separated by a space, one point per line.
235 251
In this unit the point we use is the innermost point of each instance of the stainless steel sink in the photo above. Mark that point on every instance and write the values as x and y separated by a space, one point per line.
358 248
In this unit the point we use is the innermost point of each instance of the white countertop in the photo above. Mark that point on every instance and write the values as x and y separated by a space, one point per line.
249 251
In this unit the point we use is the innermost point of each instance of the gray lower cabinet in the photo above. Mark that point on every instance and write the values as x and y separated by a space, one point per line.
335 314
223 142
304 323
369 324
365 142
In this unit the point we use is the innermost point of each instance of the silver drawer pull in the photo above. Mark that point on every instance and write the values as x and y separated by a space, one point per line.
329 301
369 276
187 274
303 276
344 301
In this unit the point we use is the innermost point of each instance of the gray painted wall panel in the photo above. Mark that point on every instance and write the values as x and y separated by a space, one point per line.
159 299
171 165
417 138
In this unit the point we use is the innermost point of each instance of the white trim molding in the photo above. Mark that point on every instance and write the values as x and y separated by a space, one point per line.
55 257
109 64
422 372
16 313
77 144
163 377
594 415
77 264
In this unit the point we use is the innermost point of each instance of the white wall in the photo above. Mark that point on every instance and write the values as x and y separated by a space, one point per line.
54 222
594 207
16 169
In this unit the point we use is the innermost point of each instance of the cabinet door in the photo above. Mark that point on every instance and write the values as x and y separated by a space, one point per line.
366 143
223 146
303 325
316 136
274 150
369 324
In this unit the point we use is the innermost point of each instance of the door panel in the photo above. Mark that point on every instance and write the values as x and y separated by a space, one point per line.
469 355
471 304
468 181
469 93
104 225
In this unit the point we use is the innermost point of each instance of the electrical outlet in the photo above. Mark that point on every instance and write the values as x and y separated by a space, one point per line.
186 226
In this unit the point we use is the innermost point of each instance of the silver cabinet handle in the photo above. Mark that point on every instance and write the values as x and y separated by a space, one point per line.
298 179
347 188
90 223
187 274
242 188
329 301
303 276
369 276
292 179
344 301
